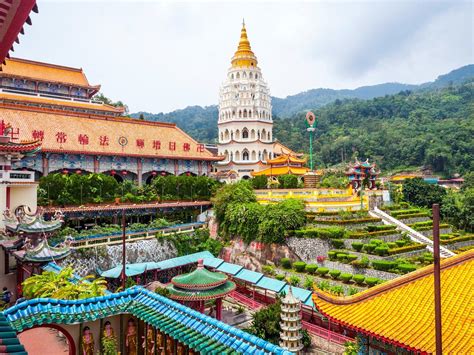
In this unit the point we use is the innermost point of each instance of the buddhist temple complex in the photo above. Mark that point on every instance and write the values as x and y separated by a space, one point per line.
54 104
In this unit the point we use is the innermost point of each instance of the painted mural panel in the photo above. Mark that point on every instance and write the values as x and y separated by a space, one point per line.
108 163
150 165
33 163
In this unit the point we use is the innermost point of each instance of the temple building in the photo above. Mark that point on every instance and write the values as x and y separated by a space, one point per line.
398 317
362 172
54 104
245 116
284 164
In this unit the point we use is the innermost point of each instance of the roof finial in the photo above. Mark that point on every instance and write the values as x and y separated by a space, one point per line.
243 22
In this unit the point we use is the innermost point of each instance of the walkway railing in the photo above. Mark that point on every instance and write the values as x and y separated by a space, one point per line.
325 333
116 238
413 234
252 304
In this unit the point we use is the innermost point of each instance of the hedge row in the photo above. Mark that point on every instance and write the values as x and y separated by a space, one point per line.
365 235
406 248
386 265
458 239
406 211
322 233
358 279
348 221
381 227
413 215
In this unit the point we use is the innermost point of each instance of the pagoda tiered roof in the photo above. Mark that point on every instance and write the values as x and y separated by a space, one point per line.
283 165
401 311
200 284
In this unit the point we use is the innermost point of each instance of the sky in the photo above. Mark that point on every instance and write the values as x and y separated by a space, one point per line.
161 56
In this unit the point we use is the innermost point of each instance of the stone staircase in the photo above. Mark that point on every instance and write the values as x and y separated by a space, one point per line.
413 234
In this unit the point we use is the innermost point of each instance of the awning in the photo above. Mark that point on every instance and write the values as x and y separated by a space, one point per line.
249 276
271 284
213 262
130 270
229 268
299 293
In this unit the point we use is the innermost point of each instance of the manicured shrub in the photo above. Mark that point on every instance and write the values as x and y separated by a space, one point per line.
299 266
322 271
332 255
406 268
268 269
369 248
406 248
351 257
392 245
381 227
311 268
384 265
342 257
428 259
346 277
322 233
357 246
280 277
400 242
376 242
363 262
359 279
285 263
337 243
334 274
371 281
381 251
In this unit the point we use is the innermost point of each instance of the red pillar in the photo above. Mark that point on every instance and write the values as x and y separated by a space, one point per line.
45 165
219 308
8 192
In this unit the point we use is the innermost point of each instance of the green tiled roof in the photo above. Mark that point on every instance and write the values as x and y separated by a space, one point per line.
196 330
190 295
199 279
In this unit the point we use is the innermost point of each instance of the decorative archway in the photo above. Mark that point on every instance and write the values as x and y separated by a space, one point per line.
70 340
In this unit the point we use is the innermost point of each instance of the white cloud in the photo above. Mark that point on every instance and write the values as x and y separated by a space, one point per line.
163 56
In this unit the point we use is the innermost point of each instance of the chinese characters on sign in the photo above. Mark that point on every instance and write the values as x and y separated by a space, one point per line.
156 145
172 146
104 140
200 148
140 143
83 139
37 134
186 147
61 137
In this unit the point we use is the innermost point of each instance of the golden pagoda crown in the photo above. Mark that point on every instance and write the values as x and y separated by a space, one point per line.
244 57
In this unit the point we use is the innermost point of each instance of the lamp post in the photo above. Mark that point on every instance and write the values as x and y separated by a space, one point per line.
311 122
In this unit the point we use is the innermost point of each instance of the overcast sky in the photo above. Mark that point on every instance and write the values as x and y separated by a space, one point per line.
161 56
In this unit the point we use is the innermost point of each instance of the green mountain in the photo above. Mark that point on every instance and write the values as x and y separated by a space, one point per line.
201 122
433 128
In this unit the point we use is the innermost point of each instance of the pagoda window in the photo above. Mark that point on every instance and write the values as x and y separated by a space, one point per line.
231 135
265 154
226 135
231 156
245 113
245 133
254 155
269 136
252 134
232 76
250 113
259 155
251 76
245 155
240 113
244 75
233 114
237 155
238 76
264 133
237 134
256 76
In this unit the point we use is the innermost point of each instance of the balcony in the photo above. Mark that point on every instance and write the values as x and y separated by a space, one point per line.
16 176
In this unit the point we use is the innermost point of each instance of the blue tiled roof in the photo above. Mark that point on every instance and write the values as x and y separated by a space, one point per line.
213 262
309 302
249 276
183 260
299 293
270 284
192 328
229 268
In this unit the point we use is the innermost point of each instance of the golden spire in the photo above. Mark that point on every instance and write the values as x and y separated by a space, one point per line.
244 57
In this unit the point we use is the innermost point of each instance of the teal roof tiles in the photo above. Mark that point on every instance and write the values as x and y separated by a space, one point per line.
249 276
229 268
268 283
299 293
187 325
213 262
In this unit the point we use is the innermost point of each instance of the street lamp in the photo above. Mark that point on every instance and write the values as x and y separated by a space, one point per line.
311 122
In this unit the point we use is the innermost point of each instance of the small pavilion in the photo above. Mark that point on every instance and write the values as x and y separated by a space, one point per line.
199 287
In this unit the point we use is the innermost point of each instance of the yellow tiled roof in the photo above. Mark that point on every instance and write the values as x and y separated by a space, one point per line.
279 148
59 102
402 310
284 158
284 170
44 71
138 138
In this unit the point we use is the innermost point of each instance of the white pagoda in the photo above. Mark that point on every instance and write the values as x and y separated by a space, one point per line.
290 335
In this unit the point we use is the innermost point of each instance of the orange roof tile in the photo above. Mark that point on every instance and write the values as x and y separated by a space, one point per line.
285 158
401 311
284 170
137 137
44 71
60 102
279 148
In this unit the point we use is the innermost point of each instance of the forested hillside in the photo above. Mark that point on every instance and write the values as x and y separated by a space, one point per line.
432 128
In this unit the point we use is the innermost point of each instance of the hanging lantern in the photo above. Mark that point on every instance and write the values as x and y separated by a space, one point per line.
65 171
113 172
188 173
78 172
124 173
163 173
154 173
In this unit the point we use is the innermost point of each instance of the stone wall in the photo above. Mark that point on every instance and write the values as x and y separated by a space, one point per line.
309 248
458 245
413 220
386 238
429 232
89 260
